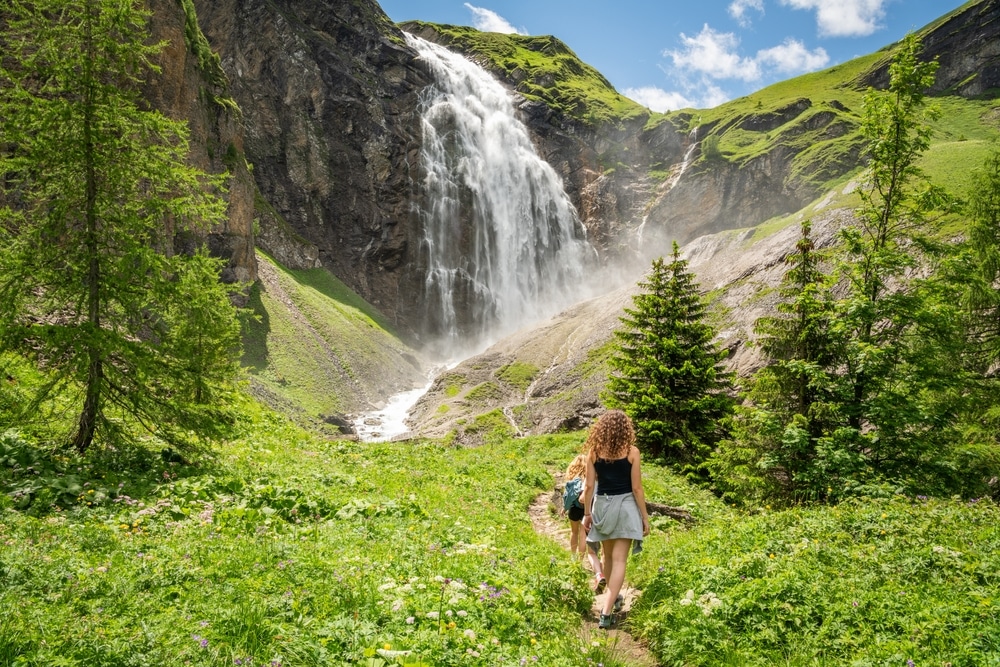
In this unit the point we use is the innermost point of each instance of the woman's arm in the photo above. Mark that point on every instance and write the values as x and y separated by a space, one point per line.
589 485
637 490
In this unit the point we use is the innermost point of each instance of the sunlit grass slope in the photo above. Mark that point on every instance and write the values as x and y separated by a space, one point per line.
286 548
316 348
901 581
292 550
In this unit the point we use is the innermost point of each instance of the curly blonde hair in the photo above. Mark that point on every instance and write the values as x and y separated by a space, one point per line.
611 437
577 467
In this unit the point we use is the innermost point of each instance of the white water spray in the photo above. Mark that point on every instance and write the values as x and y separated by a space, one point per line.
502 244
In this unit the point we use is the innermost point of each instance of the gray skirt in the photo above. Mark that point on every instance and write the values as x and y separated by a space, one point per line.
615 517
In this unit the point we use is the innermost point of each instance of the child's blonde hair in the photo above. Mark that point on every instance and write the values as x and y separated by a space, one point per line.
577 467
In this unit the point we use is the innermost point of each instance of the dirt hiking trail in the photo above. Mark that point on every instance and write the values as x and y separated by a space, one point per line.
543 514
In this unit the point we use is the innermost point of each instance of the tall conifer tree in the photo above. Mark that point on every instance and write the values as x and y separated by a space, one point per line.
775 449
668 375
90 182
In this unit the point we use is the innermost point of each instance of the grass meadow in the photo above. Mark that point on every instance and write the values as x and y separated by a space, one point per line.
280 547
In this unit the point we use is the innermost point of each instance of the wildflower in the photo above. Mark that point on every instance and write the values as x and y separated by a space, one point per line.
387 647
910 663
451 626
470 634
433 614
462 613
533 641
410 620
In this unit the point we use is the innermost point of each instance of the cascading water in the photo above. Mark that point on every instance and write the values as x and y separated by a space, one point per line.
502 244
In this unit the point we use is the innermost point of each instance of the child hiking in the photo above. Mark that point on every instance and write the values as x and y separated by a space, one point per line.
613 491
573 493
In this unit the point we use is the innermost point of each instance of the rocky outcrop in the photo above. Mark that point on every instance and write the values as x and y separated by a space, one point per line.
328 91
191 87
966 44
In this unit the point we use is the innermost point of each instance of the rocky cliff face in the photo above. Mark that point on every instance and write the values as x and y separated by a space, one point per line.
191 87
328 93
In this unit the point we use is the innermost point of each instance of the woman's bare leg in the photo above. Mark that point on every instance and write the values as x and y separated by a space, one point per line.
615 560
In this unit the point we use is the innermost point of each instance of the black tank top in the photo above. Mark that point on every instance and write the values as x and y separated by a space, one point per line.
614 478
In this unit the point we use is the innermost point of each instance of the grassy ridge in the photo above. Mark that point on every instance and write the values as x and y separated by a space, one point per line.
316 345
544 69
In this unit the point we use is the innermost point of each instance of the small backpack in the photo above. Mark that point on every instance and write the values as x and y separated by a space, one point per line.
571 493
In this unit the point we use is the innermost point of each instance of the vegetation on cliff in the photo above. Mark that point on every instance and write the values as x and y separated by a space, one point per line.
546 70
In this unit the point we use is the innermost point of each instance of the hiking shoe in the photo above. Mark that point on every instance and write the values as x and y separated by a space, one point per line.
602 583
618 603
605 622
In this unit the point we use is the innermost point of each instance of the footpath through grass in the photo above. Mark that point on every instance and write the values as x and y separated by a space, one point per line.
290 550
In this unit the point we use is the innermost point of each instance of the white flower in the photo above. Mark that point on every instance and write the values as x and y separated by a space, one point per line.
386 586
397 605
410 620
470 634
433 614
462 613
449 613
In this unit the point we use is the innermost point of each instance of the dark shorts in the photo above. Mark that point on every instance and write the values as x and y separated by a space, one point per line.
575 513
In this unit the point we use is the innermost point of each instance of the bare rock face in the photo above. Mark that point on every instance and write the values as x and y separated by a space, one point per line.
328 93
189 88
967 47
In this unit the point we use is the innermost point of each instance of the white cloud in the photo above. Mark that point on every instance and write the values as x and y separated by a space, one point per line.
738 10
844 18
714 54
712 96
792 57
657 99
488 20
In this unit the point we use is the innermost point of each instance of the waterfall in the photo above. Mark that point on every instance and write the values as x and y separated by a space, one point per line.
501 245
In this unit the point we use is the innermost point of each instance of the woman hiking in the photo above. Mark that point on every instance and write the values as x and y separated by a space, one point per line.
614 501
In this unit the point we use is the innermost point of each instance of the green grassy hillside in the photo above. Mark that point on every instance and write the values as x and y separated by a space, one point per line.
285 548
316 348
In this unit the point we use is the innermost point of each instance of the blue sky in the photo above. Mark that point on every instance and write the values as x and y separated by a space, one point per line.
670 54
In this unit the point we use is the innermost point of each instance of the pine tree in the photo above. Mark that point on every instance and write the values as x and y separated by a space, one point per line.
668 374
774 451
90 182
879 316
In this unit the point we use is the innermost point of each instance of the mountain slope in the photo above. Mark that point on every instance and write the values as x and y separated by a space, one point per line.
317 351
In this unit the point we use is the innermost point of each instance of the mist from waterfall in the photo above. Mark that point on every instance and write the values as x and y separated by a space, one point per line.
502 244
